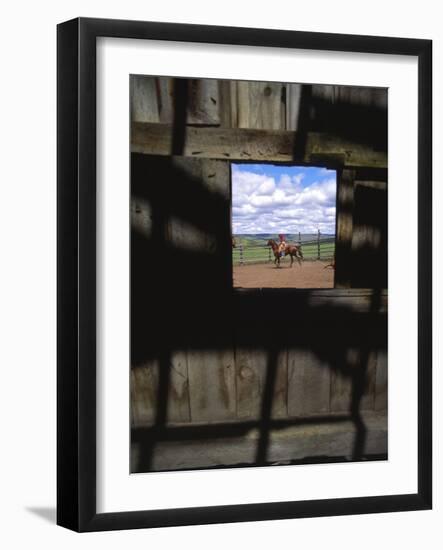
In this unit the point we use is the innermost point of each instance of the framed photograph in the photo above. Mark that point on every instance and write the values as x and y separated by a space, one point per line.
244 274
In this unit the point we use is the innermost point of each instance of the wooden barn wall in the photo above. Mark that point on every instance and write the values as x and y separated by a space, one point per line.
261 105
261 121
231 384
198 354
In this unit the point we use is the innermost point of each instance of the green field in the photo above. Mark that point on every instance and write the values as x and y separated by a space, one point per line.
253 248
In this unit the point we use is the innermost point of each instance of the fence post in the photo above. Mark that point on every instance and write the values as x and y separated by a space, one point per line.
318 245
299 237
241 254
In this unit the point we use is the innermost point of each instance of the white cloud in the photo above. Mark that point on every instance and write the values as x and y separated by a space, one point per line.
263 205
267 187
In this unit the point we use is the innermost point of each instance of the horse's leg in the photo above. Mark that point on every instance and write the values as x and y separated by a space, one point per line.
292 260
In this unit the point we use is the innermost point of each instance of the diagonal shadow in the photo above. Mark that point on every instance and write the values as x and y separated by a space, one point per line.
359 385
266 408
180 100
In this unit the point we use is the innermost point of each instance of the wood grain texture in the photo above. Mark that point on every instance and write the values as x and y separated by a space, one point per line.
144 393
181 233
343 381
144 101
165 88
234 104
211 385
202 105
216 176
309 382
227 100
258 145
141 216
260 106
145 399
178 398
293 97
381 382
252 375
361 96
345 224
203 102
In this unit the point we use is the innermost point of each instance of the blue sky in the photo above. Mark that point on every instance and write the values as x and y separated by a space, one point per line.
269 198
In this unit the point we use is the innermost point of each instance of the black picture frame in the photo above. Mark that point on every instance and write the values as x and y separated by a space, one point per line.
76 295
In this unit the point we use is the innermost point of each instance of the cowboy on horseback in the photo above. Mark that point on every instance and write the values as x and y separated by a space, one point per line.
282 244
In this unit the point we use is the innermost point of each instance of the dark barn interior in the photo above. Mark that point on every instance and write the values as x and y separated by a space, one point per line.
231 377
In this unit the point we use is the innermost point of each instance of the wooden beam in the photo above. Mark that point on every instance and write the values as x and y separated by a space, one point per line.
258 145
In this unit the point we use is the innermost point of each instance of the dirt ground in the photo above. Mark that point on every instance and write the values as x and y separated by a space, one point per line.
311 274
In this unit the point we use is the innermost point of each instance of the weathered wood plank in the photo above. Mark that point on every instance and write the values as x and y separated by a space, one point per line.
203 102
376 184
144 102
178 398
181 233
234 103
362 96
345 208
226 100
145 391
293 97
351 95
252 374
309 383
259 145
242 104
260 105
141 216
342 381
381 382
211 385
165 93
216 176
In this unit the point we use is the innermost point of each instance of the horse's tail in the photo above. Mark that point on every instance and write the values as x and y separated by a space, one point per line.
300 252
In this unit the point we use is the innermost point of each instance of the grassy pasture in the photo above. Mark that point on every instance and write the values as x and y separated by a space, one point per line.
253 248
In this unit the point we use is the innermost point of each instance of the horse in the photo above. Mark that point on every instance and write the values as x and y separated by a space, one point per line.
293 250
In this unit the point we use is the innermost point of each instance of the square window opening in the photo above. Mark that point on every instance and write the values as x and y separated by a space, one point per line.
283 223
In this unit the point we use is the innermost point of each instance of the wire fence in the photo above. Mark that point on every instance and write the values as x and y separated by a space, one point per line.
321 248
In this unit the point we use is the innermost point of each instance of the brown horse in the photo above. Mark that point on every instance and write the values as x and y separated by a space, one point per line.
293 250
